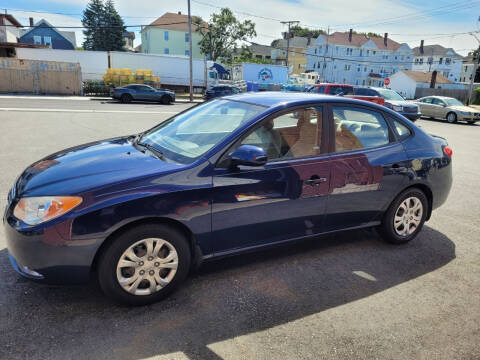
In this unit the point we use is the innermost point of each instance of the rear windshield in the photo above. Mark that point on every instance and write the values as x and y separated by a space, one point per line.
338 89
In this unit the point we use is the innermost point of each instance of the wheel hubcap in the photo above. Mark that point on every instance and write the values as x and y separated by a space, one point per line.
147 266
408 216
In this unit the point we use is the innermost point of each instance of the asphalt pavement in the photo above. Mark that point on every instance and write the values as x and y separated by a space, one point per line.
345 296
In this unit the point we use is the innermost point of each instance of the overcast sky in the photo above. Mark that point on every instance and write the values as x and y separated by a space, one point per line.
437 21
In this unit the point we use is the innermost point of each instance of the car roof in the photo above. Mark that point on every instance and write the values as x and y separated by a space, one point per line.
277 98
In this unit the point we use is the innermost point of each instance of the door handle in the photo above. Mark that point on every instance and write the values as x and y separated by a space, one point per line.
315 180
396 169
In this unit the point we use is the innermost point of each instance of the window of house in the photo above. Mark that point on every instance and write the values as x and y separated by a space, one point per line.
440 60
374 52
166 51
187 37
448 61
421 61
165 35
368 52
358 129
361 51
47 40
37 40
187 52
295 134
363 82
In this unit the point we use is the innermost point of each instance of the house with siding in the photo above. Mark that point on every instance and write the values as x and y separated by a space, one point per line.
44 33
436 57
297 59
406 82
169 35
9 29
357 59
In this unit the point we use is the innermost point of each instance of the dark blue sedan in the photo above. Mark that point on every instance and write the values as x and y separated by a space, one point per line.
140 92
227 176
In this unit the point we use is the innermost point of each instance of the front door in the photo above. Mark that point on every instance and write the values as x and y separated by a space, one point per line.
368 167
281 200
440 108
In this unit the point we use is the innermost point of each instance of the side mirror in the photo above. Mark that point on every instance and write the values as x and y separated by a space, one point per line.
248 155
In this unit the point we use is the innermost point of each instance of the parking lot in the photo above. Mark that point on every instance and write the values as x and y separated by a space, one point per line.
348 295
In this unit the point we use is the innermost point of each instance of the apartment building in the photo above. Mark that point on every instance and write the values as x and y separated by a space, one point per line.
297 59
357 59
436 57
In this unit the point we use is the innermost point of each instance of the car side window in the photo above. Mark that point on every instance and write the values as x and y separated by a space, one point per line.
401 130
427 100
292 135
437 102
358 129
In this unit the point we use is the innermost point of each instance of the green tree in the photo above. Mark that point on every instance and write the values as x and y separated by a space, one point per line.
103 27
305 32
114 28
221 34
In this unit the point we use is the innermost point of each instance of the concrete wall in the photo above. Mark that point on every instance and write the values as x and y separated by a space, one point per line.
40 77
94 64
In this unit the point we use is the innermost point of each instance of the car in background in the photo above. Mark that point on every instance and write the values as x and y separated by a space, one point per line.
450 109
220 90
343 90
141 92
230 175
393 100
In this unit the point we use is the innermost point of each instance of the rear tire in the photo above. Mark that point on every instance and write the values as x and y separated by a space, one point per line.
452 117
166 100
405 217
126 98
160 259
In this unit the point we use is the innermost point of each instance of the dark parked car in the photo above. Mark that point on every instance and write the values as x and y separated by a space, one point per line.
220 90
230 175
393 100
134 92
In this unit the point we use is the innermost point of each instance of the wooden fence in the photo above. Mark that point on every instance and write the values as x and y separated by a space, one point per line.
40 77
460 94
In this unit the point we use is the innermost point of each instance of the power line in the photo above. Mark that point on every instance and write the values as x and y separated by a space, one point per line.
237 11
71 14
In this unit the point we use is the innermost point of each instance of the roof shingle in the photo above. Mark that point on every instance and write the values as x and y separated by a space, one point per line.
172 21
425 77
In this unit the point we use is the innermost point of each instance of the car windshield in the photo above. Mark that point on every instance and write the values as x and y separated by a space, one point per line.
453 102
390 95
189 135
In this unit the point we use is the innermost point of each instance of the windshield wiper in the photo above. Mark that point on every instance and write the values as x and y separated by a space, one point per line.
153 150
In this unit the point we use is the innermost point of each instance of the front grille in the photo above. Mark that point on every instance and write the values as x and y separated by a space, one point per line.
410 109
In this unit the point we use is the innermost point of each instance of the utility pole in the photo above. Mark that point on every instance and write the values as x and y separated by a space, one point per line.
475 67
190 51
324 58
289 23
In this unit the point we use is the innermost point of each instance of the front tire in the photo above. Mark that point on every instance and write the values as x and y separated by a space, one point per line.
405 217
144 264
452 117
126 98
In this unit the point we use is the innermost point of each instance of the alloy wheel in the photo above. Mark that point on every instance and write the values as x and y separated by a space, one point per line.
408 216
147 266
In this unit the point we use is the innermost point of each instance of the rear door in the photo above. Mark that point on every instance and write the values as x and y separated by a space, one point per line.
368 167
426 107
281 200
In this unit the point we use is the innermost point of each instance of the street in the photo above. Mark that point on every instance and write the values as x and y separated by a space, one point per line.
348 295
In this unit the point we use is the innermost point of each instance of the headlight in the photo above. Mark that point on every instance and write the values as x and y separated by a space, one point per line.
397 108
465 113
36 210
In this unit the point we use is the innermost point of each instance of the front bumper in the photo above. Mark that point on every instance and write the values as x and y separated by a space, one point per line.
462 117
411 116
45 254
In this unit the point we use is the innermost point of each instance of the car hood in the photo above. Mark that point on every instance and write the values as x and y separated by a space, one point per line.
400 102
89 166
463 108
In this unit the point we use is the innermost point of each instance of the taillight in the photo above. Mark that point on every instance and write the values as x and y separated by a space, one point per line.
448 151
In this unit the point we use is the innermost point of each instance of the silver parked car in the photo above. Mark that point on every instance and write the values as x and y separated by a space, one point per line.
142 92
450 109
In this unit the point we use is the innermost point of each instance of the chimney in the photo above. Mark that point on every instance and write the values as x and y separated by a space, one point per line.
179 13
350 35
309 39
31 21
421 47
385 39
